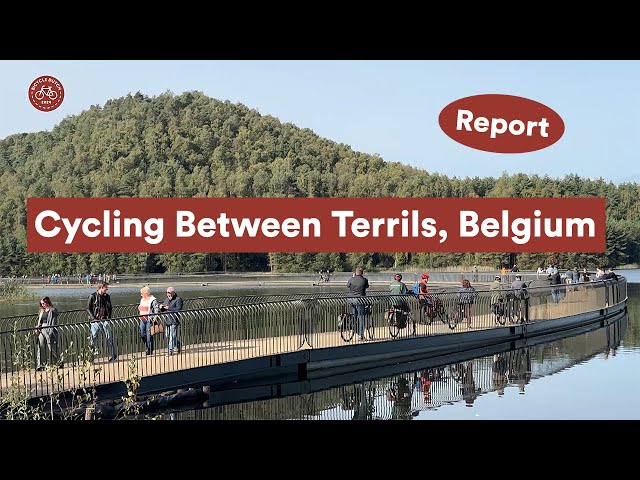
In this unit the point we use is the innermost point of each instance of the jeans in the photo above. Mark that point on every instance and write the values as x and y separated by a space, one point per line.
172 332
47 341
106 329
359 311
145 334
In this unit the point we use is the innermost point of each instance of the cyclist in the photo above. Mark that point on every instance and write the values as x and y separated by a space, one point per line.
520 294
421 291
495 288
357 286
398 287
497 297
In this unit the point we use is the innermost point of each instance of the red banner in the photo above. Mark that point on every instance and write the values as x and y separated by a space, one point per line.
316 225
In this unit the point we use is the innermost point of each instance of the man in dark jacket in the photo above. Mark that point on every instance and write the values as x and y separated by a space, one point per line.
173 303
610 275
357 286
99 310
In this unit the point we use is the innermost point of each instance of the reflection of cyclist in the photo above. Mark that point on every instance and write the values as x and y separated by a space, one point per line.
424 383
357 286
469 390
499 369
520 368
401 398
361 407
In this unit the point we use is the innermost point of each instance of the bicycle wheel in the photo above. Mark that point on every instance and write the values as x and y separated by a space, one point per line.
370 330
411 321
444 316
393 324
39 95
512 314
498 314
346 327
455 319
53 95
425 315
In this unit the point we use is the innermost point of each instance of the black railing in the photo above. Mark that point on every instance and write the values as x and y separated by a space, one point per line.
227 329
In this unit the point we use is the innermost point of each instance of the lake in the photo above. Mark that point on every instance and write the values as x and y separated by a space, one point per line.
584 377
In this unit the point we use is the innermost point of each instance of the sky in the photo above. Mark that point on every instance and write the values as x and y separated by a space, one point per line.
389 108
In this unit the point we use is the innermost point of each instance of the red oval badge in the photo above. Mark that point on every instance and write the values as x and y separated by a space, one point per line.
501 123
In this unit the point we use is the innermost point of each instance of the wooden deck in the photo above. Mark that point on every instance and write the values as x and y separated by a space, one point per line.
197 355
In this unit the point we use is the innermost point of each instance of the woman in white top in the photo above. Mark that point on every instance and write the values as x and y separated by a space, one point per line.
148 306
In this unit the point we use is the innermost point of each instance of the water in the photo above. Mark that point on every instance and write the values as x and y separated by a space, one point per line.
591 376
73 296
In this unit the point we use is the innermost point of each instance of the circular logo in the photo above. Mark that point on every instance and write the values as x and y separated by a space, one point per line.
46 93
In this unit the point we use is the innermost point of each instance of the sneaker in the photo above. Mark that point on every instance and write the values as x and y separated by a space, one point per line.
169 353
39 369
113 359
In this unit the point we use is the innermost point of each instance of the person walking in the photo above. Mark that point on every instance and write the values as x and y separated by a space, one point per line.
467 296
47 334
99 309
173 303
147 307
357 286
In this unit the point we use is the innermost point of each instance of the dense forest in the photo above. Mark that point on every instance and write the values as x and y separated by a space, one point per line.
191 145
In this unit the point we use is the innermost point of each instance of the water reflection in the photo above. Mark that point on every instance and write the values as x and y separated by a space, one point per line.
418 389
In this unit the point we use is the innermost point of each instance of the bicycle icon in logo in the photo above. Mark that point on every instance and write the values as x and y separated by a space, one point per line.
40 94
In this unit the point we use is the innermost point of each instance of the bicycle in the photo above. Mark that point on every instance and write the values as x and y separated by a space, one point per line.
399 319
46 91
348 324
513 309
458 315
502 311
432 309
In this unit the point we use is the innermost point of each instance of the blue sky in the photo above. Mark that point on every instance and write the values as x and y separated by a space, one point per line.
386 107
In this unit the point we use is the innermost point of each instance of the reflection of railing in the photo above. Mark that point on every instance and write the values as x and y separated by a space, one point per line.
427 389
268 325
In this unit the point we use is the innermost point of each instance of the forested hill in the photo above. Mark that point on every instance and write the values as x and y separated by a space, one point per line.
191 145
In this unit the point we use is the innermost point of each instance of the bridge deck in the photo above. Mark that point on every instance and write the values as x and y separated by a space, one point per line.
196 355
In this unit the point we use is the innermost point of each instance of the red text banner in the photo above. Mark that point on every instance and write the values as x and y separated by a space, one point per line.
127 225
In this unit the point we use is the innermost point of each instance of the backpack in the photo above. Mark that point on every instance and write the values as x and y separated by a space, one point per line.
416 289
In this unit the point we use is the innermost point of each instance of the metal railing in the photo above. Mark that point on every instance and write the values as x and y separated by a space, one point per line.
229 329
